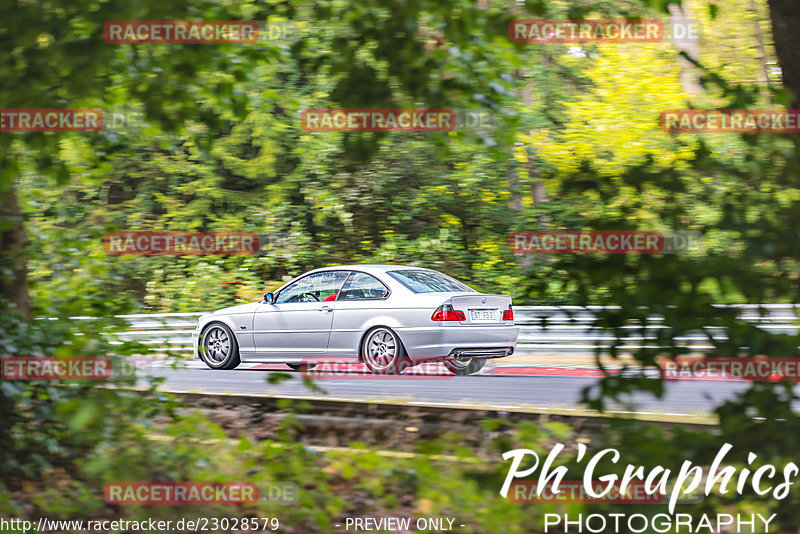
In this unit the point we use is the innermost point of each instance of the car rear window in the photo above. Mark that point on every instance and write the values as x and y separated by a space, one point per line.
428 281
362 286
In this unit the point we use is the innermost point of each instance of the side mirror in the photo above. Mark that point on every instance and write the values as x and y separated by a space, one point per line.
269 298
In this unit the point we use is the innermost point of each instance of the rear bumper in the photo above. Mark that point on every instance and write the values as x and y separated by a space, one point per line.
482 341
489 352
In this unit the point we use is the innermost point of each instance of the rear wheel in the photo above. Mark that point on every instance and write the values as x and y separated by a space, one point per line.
382 352
464 366
218 347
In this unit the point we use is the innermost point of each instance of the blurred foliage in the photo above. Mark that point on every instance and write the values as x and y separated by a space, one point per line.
49 424
439 478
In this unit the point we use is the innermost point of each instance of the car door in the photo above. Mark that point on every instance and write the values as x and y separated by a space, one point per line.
362 298
298 322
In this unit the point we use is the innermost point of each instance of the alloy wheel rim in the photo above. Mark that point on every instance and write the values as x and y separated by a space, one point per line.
381 349
217 344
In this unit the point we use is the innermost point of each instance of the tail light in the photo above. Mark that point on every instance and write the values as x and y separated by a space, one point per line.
447 313
508 315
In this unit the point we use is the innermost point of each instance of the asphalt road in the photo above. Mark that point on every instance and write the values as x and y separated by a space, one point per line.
542 392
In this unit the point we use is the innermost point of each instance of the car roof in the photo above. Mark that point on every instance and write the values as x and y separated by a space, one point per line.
375 269
369 268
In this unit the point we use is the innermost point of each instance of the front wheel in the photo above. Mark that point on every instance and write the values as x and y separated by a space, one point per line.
382 352
218 347
464 366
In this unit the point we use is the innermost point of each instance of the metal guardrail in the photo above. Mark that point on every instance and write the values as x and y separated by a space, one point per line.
571 328
161 331
543 329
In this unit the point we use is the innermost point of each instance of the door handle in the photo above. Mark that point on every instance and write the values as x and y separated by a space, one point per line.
325 309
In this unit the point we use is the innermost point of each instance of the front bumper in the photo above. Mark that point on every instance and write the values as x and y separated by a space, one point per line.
195 341
428 343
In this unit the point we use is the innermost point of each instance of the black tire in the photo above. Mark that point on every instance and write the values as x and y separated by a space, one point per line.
213 349
391 359
300 366
464 367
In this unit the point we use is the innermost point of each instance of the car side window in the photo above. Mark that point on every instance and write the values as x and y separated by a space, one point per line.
317 287
362 286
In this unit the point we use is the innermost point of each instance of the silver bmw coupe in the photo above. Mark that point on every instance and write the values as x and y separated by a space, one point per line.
388 317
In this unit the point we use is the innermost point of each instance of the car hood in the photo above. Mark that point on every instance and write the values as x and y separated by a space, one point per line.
241 308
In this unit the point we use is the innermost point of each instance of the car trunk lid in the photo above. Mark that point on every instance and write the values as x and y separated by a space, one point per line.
481 309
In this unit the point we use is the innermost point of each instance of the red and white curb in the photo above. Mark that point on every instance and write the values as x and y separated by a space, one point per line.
437 369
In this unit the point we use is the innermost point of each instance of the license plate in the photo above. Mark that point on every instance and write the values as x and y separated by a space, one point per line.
482 315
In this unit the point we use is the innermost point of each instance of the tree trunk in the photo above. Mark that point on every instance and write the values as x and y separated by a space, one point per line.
13 282
785 17
763 75
681 17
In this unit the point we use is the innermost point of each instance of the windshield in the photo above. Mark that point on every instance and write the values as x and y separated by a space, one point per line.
428 281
